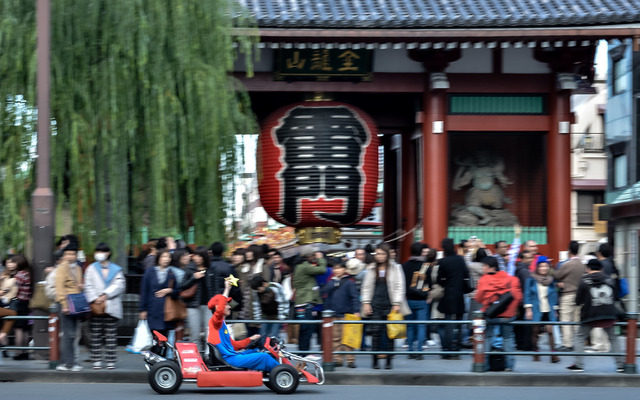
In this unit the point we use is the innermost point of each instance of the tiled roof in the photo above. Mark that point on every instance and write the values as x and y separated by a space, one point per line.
439 14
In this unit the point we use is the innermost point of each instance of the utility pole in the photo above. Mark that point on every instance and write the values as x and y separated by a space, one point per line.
42 199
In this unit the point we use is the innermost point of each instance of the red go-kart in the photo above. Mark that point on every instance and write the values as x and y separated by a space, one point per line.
187 365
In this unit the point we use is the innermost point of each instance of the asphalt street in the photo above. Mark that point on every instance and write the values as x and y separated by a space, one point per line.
104 391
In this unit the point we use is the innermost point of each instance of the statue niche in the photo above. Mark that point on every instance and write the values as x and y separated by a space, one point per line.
484 201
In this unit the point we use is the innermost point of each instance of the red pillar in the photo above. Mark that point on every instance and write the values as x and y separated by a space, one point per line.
409 195
389 205
435 182
559 175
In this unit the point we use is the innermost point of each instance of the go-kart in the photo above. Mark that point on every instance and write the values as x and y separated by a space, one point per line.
186 364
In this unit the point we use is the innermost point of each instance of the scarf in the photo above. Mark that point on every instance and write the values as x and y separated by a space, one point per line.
113 270
544 280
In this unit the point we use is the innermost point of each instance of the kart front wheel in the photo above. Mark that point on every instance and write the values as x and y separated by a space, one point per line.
165 377
283 379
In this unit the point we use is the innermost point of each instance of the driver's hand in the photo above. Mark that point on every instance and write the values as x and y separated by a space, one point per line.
255 337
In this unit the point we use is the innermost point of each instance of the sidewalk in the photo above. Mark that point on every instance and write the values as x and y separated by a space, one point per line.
431 371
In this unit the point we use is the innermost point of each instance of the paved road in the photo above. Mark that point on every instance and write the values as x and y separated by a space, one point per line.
103 391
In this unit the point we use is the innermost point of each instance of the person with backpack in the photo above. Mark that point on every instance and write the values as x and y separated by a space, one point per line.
491 286
415 271
597 295
270 304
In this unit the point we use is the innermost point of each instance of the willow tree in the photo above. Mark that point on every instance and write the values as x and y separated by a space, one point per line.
145 110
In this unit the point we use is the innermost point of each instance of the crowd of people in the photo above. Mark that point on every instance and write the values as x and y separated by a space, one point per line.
448 283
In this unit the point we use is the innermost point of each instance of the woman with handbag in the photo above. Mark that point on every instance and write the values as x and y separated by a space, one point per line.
157 284
104 284
196 290
541 304
68 281
8 306
342 297
180 261
23 277
383 291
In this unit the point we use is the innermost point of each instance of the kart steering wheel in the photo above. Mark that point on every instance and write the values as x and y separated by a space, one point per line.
254 343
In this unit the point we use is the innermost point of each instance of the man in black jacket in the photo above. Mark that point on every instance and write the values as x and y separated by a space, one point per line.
220 269
451 276
597 295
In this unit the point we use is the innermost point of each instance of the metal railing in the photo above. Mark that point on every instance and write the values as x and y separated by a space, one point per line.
53 330
477 326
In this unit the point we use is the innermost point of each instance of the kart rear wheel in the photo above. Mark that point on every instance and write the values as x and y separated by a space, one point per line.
165 377
283 379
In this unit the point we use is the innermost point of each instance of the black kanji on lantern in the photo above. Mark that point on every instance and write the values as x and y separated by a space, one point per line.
323 157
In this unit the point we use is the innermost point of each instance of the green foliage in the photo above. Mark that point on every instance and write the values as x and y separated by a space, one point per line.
146 110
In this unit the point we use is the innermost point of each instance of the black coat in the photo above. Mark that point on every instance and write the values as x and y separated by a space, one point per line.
451 274
597 295
220 270
206 286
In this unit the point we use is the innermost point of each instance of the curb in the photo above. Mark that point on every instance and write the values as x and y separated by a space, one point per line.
370 378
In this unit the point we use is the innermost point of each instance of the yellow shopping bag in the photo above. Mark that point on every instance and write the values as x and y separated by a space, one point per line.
352 333
396 331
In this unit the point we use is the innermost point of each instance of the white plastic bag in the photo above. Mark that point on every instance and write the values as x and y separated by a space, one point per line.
141 338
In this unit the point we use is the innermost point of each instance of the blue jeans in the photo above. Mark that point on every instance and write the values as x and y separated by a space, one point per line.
416 332
69 330
508 339
306 330
269 330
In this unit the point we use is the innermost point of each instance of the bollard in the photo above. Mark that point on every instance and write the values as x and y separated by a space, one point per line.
479 326
54 339
327 340
632 329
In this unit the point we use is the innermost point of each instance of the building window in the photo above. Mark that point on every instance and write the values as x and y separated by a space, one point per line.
620 171
586 200
619 77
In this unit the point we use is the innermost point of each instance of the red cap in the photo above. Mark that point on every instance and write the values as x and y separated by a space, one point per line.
218 300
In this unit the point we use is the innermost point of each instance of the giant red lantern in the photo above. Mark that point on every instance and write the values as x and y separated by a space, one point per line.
318 167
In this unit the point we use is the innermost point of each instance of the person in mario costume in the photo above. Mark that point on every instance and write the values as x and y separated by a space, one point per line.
219 337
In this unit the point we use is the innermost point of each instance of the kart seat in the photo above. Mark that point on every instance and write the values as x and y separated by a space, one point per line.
216 361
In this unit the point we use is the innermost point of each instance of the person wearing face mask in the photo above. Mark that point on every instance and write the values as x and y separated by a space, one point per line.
104 284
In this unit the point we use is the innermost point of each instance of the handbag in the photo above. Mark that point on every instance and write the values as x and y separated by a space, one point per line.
436 293
352 333
396 331
418 287
39 300
189 292
499 306
78 305
174 309
98 309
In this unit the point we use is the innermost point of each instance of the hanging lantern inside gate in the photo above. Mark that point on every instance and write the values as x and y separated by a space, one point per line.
318 168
